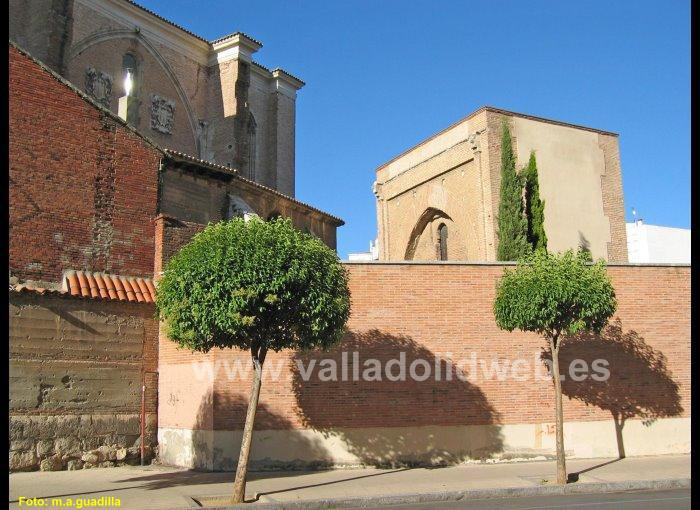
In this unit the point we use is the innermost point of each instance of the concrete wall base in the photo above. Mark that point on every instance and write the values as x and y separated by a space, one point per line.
218 450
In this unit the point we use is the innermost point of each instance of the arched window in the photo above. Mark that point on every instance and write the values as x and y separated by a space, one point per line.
442 236
423 233
129 74
252 126
273 216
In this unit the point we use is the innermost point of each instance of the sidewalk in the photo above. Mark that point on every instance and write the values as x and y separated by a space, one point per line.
157 487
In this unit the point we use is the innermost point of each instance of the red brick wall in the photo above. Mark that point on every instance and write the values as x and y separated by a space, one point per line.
426 309
170 235
83 188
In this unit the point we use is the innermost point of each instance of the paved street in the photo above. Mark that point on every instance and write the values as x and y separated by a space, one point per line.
159 487
639 500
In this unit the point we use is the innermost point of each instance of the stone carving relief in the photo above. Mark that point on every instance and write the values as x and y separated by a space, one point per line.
162 112
98 85
475 140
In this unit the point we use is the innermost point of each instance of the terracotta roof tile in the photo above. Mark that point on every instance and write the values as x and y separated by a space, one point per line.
108 286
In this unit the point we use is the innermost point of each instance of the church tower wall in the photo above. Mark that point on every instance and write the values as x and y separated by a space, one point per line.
453 178
207 99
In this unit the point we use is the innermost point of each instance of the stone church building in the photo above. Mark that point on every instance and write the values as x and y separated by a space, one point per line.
208 99
439 199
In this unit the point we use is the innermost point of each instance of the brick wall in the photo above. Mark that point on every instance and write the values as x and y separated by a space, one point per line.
428 177
49 28
76 369
171 235
430 310
613 198
83 187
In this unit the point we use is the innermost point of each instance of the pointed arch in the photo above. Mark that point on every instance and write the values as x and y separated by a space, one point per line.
107 35
428 216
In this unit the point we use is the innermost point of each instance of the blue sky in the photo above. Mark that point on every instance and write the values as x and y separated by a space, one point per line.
383 75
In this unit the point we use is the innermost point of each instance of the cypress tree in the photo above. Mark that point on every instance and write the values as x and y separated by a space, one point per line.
512 225
534 207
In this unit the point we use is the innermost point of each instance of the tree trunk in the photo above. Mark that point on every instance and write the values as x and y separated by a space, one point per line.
619 424
561 458
258 356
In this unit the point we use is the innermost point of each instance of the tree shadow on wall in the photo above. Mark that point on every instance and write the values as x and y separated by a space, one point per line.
640 384
316 456
203 453
386 423
583 243
303 451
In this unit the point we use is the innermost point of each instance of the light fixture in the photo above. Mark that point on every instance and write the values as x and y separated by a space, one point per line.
128 82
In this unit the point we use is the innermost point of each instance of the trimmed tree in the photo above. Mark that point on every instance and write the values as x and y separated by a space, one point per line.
554 296
534 207
257 286
512 225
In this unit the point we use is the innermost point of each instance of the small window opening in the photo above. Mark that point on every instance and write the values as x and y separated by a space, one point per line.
442 235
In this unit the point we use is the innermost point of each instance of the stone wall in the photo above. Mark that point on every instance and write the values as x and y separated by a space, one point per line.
45 25
438 312
76 371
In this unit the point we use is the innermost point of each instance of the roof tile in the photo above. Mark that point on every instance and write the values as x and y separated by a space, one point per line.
108 286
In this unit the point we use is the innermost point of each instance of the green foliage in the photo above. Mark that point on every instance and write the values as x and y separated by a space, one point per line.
534 207
254 284
512 225
551 294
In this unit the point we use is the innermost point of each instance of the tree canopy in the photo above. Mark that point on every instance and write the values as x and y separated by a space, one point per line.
555 293
254 284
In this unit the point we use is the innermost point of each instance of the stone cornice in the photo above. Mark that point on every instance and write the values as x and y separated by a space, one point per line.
236 46
285 83
282 75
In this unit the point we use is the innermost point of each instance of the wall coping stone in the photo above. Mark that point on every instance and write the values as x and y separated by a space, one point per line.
488 263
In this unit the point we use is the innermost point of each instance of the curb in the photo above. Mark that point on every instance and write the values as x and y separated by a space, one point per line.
434 497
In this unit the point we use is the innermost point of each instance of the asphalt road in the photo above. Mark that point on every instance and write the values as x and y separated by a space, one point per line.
675 499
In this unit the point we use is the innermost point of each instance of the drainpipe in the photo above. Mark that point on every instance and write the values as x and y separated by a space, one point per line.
143 418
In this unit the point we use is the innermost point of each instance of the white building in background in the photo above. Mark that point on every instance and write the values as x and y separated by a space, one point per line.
372 254
655 244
